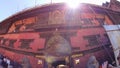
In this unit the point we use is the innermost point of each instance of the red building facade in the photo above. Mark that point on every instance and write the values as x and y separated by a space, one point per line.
57 34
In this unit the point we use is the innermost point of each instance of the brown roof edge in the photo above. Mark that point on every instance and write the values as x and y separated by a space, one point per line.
30 9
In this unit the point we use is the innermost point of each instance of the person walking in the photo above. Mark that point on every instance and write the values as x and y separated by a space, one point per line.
92 62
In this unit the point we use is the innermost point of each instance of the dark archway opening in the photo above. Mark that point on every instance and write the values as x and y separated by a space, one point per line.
60 62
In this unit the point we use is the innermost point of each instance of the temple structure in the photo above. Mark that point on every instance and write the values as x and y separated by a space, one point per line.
114 5
57 35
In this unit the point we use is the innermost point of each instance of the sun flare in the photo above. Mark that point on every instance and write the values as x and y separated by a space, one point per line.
73 4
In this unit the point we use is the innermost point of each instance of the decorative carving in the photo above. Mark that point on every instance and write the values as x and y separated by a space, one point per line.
25 43
92 39
56 17
42 18
65 34
11 42
4 41
1 40
87 21
100 20
17 27
57 45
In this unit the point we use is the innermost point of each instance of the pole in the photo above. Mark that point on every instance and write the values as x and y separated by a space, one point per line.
51 1
35 3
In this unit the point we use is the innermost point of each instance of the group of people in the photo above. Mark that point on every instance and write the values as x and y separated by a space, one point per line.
93 63
106 65
5 62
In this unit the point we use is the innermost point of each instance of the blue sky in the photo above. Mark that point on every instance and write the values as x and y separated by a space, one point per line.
10 7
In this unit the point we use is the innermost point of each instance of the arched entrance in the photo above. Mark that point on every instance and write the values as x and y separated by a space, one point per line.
57 50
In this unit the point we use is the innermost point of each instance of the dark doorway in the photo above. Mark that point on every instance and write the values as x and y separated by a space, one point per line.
60 62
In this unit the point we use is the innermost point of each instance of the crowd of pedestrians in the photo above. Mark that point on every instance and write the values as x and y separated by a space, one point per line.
6 62
93 63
